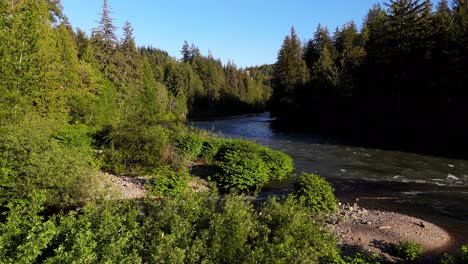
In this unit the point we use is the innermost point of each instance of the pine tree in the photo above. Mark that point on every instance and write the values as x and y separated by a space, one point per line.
408 22
106 29
314 46
290 71
128 42
104 40
324 71
186 53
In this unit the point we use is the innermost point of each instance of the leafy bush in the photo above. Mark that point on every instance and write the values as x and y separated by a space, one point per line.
292 236
461 258
241 170
245 165
103 233
190 228
408 250
32 161
316 193
210 148
133 150
280 164
25 233
189 144
166 181
360 258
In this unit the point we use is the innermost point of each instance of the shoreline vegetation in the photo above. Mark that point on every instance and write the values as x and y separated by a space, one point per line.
84 119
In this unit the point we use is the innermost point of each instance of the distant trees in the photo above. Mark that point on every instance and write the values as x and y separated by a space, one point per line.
401 74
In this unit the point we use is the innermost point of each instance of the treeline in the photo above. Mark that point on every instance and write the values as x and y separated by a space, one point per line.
399 81
49 69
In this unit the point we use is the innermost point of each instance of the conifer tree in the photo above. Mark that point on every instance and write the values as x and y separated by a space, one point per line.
290 71
186 53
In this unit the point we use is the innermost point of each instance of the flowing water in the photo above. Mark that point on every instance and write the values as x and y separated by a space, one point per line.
432 188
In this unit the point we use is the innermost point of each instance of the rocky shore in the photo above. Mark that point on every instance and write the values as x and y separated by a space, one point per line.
362 230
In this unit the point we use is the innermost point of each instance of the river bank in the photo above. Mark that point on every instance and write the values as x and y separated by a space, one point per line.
376 231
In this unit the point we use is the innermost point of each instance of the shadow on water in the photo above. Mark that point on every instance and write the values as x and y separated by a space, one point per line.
432 188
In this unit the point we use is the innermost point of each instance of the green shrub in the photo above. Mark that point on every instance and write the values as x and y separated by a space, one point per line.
165 181
461 258
75 136
280 164
409 251
134 150
360 258
241 171
316 193
25 233
189 144
33 161
210 148
292 236
109 232
245 165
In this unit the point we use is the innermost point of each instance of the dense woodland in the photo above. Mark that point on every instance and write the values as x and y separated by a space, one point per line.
398 80
78 112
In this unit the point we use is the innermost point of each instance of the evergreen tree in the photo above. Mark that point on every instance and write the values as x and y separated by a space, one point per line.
314 46
105 43
290 71
324 71
186 53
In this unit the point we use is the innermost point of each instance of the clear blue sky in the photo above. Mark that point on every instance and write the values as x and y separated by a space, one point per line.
249 32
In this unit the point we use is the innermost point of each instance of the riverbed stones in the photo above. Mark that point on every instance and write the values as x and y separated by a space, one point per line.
370 229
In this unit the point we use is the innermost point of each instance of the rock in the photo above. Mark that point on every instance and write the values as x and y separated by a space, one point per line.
384 227
369 223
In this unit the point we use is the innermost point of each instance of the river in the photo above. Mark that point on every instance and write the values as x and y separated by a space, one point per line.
432 188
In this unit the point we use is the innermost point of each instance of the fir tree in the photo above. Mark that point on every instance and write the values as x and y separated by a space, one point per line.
290 71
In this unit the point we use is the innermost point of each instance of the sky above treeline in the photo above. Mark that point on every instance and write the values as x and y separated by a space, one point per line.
248 32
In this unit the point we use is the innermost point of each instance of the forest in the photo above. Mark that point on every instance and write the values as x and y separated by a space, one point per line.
79 112
397 81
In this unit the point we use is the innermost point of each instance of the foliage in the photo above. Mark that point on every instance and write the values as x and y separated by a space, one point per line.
210 148
107 232
462 257
293 236
246 166
360 258
316 193
409 251
189 228
280 164
165 181
190 144
403 72
241 169
134 149
25 233
33 161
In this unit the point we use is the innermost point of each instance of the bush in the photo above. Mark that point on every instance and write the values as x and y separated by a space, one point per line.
210 148
292 236
189 144
134 150
32 161
280 164
165 181
245 165
241 170
409 251
461 258
316 193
